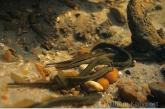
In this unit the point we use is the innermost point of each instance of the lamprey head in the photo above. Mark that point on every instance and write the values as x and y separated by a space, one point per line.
60 79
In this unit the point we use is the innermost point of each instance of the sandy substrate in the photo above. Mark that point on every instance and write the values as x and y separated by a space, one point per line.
65 45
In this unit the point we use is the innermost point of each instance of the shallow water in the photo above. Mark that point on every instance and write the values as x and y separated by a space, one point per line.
66 31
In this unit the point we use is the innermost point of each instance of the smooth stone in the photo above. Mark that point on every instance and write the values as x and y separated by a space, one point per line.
91 86
158 90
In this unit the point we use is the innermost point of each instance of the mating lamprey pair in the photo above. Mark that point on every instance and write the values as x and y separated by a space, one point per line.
102 59
61 80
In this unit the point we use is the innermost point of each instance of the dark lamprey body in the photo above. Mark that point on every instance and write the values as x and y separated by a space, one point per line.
126 63
85 100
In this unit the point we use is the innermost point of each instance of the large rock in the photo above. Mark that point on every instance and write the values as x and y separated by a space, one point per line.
144 35
158 90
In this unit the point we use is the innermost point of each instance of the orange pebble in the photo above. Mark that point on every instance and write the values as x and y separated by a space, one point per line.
104 82
21 42
43 71
4 97
7 56
112 76
75 93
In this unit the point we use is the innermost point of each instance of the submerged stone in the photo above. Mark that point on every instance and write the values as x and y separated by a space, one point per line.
158 90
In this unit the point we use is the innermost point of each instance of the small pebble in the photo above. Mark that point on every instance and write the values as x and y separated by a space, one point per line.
72 5
34 52
120 73
44 52
8 56
20 31
51 52
118 14
20 57
134 63
75 93
17 78
43 71
64 92
70 95
26 48
127 72
21 42
57 53
29 10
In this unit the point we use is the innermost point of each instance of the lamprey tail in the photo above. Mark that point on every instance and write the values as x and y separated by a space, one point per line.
30 84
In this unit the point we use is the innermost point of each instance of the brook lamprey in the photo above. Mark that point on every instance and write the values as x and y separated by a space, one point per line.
96 75
61 80
85 100
80 100
126 63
